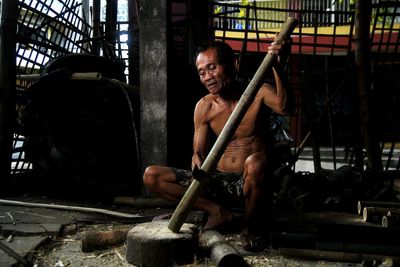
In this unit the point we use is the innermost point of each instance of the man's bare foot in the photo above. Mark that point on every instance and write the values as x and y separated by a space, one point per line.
217 218
254 242
165 216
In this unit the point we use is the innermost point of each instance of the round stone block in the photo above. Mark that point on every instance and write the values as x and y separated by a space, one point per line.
152 244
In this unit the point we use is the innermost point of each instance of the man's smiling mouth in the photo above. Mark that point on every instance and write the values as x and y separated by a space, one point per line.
212 84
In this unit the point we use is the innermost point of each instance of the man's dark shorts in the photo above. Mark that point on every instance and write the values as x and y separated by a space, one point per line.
223 188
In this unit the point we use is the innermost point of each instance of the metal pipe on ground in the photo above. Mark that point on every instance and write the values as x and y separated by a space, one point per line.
222 253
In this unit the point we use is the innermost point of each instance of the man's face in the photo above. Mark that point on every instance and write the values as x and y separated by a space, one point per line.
211 72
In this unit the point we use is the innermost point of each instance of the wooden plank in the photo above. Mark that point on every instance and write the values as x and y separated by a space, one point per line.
28 229
364 234
334 255
22 245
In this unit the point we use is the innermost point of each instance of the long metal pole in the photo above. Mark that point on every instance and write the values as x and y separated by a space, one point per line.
227 132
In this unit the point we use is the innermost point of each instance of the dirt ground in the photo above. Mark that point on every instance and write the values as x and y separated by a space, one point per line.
64 247
66 251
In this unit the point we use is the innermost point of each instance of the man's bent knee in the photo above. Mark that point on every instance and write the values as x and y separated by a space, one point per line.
151 178
255 166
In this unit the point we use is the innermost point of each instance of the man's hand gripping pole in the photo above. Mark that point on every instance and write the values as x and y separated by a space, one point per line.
189 198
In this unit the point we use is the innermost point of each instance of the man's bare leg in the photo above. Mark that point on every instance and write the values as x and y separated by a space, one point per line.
253 237
254 187
162 181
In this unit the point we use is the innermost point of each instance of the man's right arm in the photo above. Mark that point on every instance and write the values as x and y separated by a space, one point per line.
201 136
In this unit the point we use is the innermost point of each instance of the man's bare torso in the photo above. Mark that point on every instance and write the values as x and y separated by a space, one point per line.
248 138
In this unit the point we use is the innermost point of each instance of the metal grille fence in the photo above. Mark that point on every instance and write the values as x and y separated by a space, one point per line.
270 13
326 29
386 27
322 28
51 28
45 30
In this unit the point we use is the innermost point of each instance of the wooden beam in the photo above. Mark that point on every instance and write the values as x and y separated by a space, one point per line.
93 240
8 30
374 214
111 23
381 204
363 65
96 27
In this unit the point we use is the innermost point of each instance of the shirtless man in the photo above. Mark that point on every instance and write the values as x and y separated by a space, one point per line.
243 170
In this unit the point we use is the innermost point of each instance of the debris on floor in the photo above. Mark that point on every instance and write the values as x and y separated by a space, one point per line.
44 236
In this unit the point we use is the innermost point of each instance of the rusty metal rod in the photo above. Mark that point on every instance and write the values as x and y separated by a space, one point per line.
68 207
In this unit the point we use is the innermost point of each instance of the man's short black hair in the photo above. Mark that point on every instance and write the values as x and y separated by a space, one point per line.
225 54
